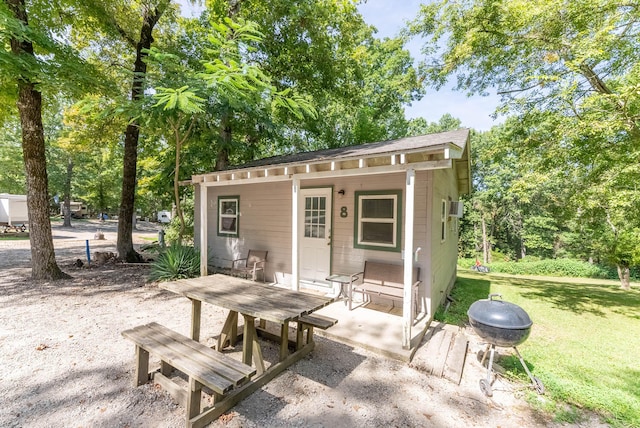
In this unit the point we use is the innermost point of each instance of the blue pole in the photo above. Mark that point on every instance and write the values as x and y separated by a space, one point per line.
88 253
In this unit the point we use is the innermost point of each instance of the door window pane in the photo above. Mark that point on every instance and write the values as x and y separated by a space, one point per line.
314 217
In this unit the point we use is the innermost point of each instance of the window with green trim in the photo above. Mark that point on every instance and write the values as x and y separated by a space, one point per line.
228 215
377 220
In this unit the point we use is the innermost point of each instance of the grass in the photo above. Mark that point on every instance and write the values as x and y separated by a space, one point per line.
14 236
584 344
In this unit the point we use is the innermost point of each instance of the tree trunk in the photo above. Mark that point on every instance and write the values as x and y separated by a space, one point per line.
222 160
132 133
485 243
625 277
180 140
43 259
67 195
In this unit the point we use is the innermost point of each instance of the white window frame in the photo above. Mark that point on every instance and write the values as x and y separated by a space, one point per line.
396 196
222 216
443 221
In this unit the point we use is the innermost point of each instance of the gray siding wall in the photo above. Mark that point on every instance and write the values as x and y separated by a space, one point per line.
444 254
264 224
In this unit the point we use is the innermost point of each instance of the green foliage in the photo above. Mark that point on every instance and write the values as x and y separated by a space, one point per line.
565 164
577 325
180 99
553 267
176 262
419 126
12 178
172 230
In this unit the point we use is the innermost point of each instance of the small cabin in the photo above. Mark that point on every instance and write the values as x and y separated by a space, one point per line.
328 212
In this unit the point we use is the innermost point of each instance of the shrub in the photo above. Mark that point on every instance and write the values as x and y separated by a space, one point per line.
176 262
554 267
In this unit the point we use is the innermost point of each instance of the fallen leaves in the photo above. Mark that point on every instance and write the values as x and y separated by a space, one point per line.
41 347
227 417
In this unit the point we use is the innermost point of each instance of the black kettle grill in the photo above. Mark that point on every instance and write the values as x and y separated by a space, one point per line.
501 324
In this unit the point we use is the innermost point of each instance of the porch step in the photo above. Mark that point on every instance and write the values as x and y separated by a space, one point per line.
444 352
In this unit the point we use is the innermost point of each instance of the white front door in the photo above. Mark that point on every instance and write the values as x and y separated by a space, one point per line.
315 234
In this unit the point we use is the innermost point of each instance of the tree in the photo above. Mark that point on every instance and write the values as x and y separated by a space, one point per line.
151 14
419 126
572 65
180 106
324 49
29 103
227 79
89 142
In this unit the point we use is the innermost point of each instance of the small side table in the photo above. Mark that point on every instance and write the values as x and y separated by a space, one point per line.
344 279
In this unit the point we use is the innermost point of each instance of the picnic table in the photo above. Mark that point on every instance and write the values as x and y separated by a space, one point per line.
253 301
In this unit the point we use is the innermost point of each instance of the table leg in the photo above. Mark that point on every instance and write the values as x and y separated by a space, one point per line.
248 339
251 351
196 311
350 294
284 341
229 331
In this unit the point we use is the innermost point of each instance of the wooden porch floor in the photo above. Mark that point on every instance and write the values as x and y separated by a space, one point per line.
373 327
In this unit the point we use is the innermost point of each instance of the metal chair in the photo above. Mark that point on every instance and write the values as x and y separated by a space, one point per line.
254 262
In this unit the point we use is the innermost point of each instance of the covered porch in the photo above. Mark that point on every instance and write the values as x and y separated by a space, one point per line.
376 328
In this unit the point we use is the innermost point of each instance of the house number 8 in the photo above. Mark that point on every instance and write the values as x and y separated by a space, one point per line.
343 212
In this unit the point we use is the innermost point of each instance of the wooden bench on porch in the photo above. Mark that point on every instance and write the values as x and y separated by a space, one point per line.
202 365
386 280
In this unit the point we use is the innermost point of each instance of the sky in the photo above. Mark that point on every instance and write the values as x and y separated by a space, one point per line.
389 16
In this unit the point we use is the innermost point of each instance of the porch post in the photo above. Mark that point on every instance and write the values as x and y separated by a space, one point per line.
295 263
407 304
204 247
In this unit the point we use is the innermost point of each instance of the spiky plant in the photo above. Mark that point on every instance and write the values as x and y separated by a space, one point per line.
176 262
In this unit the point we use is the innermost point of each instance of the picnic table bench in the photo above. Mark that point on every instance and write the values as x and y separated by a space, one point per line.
385 280
308 322
202 365
230 380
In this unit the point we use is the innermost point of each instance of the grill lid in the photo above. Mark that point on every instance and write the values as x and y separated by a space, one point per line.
499 314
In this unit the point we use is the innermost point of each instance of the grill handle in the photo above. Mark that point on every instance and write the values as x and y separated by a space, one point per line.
491 296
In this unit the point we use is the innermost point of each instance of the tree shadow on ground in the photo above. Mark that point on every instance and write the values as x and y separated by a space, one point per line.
579 297
16 284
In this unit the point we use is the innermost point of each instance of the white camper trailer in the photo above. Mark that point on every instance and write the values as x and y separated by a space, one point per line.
13 211
77 209
164 216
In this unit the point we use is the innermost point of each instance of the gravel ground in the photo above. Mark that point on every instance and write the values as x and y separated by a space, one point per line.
65 363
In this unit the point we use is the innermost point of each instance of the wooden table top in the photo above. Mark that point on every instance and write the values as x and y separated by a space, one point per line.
247 297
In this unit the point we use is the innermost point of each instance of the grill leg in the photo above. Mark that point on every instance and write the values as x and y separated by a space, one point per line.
484 354
485 384
490 366
537 384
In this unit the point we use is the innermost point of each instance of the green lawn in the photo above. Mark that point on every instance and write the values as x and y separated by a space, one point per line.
584 344
14 236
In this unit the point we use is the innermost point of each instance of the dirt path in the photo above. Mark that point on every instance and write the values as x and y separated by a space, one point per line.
64 362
